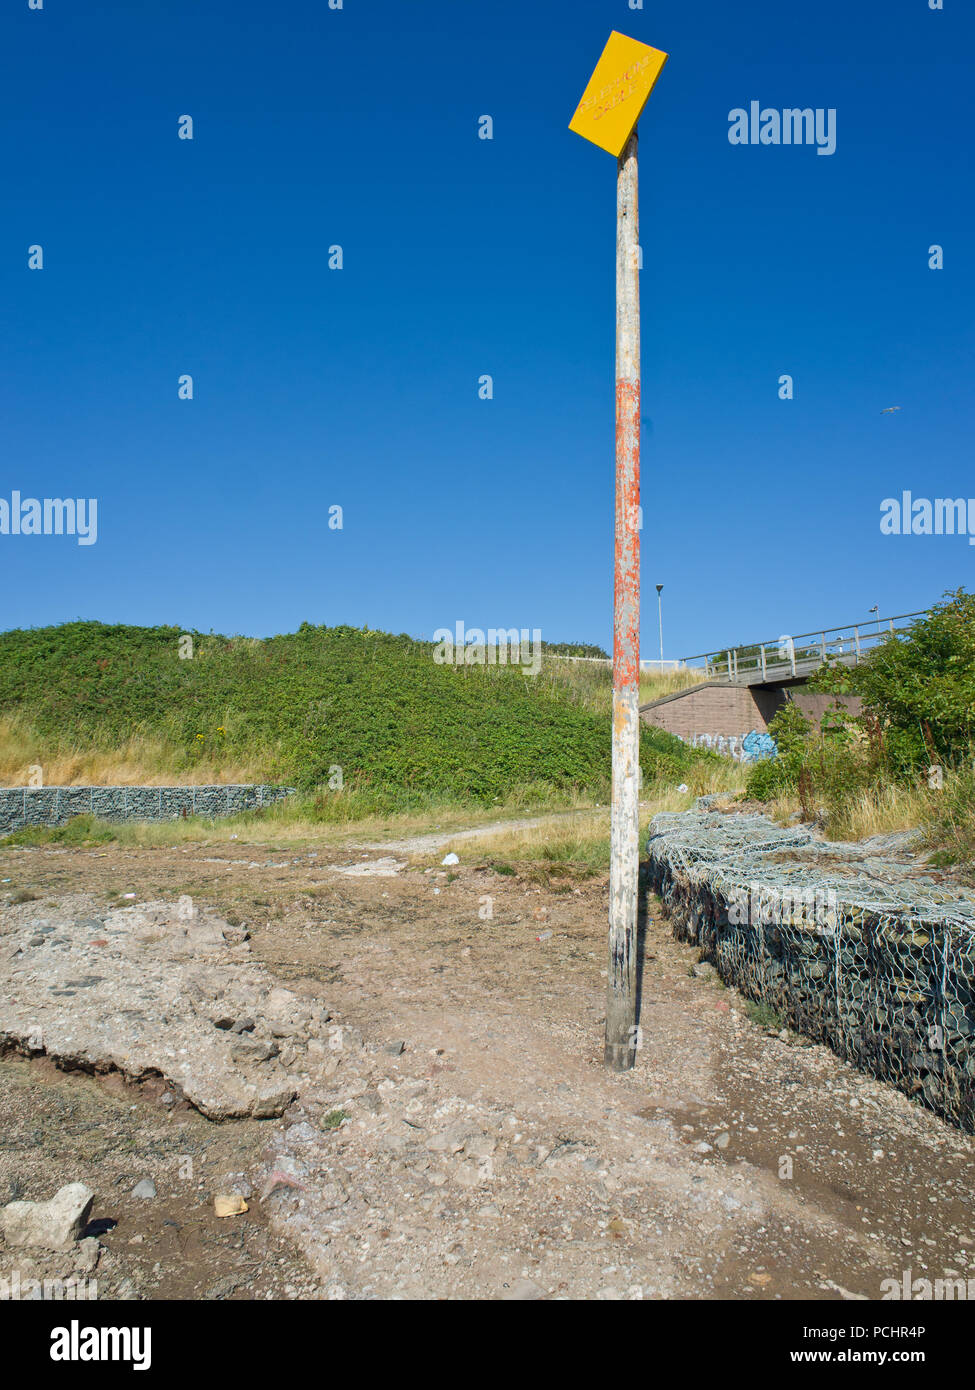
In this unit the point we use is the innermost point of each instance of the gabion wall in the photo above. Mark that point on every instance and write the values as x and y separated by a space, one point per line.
20 806
854 947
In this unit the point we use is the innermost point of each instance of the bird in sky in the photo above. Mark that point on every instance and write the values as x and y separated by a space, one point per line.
889 410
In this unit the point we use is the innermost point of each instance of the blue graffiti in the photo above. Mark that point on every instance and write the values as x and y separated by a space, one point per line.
755 746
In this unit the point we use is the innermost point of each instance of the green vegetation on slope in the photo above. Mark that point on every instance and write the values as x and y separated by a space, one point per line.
292 708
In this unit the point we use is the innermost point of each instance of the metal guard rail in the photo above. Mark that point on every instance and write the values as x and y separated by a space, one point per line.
788 655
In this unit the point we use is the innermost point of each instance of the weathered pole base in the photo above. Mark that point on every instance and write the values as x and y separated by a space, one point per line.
621 1022
619 1056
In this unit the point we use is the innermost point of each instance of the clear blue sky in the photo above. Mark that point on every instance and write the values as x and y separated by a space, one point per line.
462 257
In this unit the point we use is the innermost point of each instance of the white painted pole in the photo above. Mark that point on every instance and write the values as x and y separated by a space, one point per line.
621 1030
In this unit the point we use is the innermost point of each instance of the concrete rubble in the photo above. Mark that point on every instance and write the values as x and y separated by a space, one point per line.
156 990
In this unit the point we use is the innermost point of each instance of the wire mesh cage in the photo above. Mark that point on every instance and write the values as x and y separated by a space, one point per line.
852 945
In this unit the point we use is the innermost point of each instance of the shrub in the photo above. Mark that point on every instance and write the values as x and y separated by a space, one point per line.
918 692
772 777
768 779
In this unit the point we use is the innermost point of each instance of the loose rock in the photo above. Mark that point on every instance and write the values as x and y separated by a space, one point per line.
55 1225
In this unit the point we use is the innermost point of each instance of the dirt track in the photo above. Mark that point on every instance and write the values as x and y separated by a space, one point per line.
494 1157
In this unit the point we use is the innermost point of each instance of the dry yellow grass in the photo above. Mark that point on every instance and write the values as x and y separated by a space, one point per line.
286 826
883 811
584 837
654 685
142 761
579 838
888 809
591 683
576 823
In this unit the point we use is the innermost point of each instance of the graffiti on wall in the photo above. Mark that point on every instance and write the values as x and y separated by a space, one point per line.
744 748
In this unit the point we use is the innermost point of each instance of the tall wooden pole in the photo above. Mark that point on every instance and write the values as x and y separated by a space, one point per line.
621 1034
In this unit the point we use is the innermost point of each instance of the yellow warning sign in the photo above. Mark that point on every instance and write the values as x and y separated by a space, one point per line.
614 100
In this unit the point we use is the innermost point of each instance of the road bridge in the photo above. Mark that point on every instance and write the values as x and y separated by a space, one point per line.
743 686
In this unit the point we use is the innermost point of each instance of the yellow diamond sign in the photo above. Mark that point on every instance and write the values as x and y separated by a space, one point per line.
614 100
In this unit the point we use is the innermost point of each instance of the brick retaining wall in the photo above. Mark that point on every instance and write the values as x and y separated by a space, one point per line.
731 711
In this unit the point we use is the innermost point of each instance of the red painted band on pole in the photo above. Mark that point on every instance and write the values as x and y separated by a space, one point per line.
626 605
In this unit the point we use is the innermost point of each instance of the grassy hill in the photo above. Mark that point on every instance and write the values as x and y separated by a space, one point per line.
91 701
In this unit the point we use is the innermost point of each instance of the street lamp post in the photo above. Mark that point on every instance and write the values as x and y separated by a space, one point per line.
660 622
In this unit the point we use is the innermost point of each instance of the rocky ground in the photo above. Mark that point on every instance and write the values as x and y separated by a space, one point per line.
402 1071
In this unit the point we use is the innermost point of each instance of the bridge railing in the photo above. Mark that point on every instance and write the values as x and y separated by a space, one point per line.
788 656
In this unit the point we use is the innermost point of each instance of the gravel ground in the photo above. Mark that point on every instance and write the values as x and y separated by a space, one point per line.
462 1138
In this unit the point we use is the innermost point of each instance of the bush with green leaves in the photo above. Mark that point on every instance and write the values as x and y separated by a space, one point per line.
772 777
918 691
